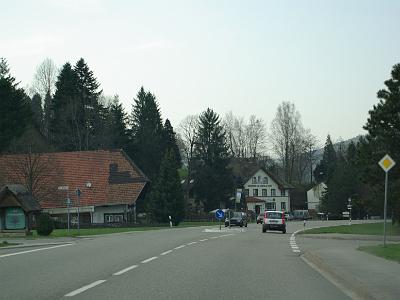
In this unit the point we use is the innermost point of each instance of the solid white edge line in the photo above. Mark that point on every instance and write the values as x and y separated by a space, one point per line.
149 259
215 237
34 250
166 252
192 243
84 288
203 240
297 251
125 270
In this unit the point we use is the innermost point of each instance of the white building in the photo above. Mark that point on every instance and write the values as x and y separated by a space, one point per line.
314 196
264 191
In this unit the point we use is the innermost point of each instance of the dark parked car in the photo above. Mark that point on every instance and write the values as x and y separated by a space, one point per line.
236 219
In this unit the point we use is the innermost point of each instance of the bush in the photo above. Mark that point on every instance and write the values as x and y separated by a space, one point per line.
45 225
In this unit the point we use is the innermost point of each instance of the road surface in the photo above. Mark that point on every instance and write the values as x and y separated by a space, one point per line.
189 263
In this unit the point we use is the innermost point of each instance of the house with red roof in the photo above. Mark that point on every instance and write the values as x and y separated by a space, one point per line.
103 185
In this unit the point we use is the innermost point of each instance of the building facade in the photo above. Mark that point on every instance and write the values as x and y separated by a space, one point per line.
314 196
265 191
101 186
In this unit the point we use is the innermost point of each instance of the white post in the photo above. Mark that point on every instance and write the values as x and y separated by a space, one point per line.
170 221
384 210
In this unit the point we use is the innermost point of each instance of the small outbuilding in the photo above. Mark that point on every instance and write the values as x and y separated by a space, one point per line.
17 209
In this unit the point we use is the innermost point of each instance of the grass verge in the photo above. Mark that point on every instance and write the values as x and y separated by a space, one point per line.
368 229
99 231
5 244
391 252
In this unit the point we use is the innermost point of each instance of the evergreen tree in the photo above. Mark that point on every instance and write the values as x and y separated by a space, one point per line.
213 179
146 133
47 115
37 110
4 69
326 167
118 125
166 197
88 98
67 118
15 111
383 137
170 143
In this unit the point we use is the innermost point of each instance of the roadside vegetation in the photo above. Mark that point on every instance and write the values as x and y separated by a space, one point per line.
391 252
56 233
370 228
6 244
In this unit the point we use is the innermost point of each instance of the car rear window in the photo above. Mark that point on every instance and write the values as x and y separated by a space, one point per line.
274 215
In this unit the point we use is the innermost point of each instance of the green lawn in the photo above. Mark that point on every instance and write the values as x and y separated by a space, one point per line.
370 228
391 252
97 231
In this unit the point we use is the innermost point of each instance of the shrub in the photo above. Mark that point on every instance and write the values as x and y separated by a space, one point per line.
45 225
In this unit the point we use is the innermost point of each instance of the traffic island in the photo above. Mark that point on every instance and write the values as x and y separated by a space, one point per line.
390 252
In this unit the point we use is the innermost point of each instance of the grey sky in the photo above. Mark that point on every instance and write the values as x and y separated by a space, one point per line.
328 57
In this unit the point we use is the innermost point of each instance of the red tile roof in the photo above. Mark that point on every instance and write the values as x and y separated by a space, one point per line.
104 177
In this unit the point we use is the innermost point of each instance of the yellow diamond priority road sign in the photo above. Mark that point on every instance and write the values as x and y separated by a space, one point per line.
387 163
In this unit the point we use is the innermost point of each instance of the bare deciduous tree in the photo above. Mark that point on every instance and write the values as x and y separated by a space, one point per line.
286 132
45 78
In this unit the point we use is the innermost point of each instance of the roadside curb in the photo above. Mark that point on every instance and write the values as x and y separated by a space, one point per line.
357 237
346 283
35 245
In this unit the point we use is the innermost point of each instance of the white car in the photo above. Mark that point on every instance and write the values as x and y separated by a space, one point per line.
274 220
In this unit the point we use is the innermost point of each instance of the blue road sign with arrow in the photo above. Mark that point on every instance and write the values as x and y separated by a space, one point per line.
219 214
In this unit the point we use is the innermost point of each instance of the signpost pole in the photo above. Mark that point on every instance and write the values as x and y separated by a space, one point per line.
384 210
386 164
68 203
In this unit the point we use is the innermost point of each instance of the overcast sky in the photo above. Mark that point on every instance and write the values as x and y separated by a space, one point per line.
327 57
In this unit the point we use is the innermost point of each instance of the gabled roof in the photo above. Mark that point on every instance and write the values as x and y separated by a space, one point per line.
104 177
244 169
22 196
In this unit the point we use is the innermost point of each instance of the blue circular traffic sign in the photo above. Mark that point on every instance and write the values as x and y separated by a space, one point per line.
219 214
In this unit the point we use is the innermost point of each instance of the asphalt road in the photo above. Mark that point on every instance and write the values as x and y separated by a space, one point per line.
190 263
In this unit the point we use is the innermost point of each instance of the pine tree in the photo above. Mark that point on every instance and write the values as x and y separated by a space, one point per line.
212 178
170 143
383 137
47 115
326 167
118 125
67 119
166 197
15 111
146 134
37 110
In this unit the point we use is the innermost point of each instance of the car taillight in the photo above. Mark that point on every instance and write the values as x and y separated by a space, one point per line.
283 218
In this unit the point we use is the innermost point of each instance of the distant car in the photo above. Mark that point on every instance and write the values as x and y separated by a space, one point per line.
274 220
288 216
260 218
236 219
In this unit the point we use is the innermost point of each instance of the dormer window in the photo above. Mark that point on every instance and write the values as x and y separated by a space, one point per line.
265 180
254 180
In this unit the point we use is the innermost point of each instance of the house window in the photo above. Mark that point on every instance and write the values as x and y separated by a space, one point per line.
246 192
270 206
265 180
259 179
254 180
255 192
264 192
282 192
273 192
113 218
283 205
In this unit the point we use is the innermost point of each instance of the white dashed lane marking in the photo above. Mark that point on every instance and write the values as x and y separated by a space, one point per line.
149 259
89 286
84 288
125 270
293 244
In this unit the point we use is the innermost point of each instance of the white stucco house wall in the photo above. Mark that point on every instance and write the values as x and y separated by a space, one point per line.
314 196
264 191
